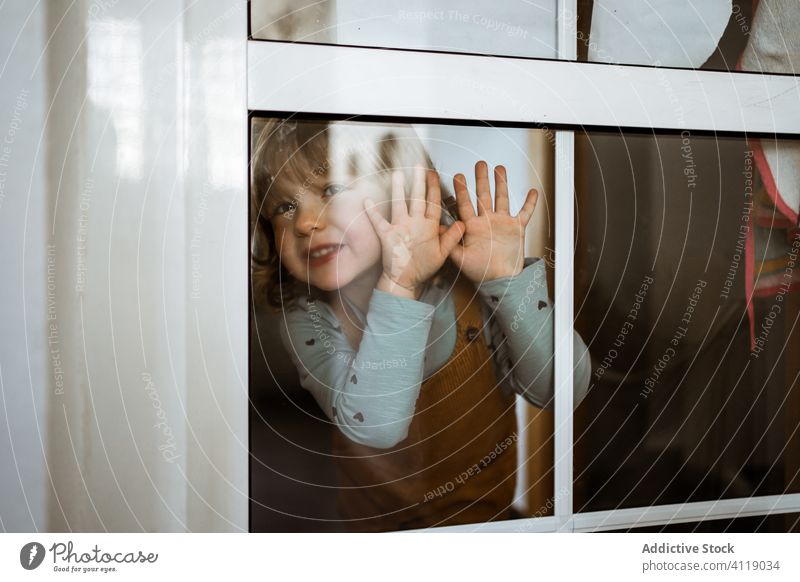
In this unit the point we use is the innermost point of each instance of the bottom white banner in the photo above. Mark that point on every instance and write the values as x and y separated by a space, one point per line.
347 557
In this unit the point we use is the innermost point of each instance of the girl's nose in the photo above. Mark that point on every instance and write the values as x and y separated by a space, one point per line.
310 216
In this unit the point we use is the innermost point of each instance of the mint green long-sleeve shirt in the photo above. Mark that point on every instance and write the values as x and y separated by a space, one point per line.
370 393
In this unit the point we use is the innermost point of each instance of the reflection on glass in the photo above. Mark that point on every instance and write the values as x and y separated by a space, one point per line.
687 294
114 69
517 27
726 35
402 347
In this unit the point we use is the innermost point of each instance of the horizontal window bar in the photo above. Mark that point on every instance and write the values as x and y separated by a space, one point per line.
647 516
530 525
286 77
686 512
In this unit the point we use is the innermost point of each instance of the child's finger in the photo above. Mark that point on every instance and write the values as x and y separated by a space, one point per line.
483 188
399 208
450 238
433 209
379 223
465 208
416 206
457 255
526 212
500 190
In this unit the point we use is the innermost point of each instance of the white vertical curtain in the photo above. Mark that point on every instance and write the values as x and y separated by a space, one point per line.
146 188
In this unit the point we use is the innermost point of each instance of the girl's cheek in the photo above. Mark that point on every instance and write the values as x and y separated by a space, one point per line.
371 241
282 242
346 201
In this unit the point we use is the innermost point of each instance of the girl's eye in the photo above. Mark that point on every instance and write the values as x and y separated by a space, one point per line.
286 209
333 189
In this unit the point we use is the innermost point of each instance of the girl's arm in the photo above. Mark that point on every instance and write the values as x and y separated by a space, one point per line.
370 394
522 336
515 289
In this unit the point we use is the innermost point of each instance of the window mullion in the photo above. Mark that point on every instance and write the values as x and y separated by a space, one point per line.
564 274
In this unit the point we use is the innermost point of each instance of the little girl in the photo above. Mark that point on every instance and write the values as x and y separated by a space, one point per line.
412 324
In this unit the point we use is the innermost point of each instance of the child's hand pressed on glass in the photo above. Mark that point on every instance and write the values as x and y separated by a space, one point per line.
413 246
493 244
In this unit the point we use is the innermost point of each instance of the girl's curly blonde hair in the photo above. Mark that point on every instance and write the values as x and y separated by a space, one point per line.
288 153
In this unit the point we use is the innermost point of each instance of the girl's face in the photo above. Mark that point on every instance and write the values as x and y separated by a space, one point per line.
322 233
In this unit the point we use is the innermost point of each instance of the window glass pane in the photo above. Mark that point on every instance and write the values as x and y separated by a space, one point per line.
694 396
713 34
342 435
515 28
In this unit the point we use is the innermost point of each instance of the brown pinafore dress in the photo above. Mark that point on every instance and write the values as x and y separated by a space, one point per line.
458 463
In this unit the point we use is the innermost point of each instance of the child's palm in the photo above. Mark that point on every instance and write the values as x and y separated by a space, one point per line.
412 247
494 240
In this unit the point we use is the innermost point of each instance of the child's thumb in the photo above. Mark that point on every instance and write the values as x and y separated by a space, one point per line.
378 222
449 237
457 255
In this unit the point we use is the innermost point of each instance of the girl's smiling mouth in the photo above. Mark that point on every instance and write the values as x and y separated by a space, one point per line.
321 254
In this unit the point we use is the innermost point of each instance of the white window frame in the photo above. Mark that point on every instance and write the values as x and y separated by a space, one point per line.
288 78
